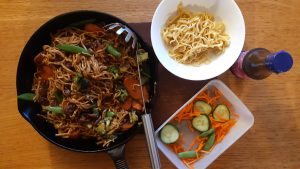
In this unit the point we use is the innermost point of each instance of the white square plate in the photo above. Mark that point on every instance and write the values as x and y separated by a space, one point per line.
244 123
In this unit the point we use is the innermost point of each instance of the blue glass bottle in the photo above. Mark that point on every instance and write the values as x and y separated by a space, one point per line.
259 63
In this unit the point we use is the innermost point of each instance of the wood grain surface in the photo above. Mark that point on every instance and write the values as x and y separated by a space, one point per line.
273 141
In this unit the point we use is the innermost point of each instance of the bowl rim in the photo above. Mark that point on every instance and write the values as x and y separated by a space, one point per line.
194 76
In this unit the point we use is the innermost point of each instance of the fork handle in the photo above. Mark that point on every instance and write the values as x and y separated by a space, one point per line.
149 132
118 156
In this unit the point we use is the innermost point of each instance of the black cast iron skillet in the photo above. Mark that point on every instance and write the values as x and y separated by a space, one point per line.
26 69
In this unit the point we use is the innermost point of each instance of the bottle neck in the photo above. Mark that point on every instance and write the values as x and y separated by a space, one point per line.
269 62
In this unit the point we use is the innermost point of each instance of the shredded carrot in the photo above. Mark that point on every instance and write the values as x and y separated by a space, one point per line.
190 126
200 146
192 144
234 114
213 97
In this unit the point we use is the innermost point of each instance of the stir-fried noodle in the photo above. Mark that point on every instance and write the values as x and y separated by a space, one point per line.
81 84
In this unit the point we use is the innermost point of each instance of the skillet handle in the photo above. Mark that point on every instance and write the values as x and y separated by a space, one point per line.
118 156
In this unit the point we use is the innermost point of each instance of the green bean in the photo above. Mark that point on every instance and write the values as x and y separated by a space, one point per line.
207 133
73 49
210 142
187 154
26 96
54 109
113 51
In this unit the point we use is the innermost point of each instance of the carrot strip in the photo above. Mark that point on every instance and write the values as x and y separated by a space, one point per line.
190 126
192 144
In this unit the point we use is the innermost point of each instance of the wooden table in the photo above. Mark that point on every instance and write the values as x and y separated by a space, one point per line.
273 141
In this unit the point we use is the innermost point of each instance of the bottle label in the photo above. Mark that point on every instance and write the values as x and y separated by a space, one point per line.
237 68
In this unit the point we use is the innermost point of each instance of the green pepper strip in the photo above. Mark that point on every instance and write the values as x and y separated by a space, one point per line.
26 96
111 50
54 109
73 49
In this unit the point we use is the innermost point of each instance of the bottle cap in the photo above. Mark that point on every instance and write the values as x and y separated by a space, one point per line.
280 62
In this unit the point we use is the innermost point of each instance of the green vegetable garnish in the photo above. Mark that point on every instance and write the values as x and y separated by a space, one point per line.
54 109
26 96
73 49
133 117
101 128
82 82
107 123
58 96
124 68
95 111
142 57
122 94
113 51
110 114
113 69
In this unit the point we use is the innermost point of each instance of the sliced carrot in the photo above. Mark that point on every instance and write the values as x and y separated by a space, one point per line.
126 126
92 28
127 104
46 72
132 86
136 105
146 93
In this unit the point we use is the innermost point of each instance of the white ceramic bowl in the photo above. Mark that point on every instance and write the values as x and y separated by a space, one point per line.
226 11
244 123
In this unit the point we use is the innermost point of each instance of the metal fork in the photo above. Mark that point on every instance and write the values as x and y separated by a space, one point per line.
147 120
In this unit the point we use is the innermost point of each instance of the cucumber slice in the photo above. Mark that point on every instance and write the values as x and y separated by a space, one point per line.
169 134
221 113
210 142
202 107
201 123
